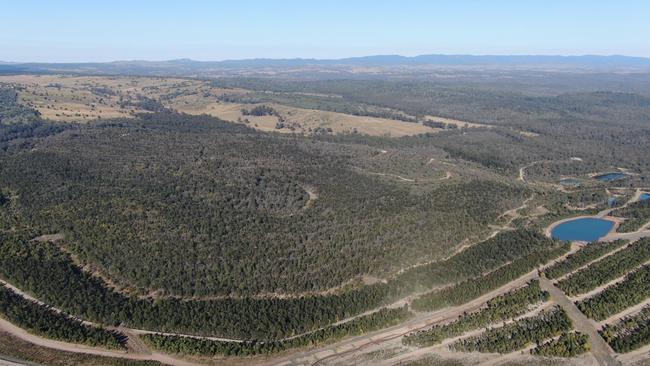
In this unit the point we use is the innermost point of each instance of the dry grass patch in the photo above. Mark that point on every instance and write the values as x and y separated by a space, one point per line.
305 120
86 98
457 123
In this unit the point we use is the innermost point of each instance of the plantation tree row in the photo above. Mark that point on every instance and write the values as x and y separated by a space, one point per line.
500 308
517 335
607 269
43 269
204 347
633 290
32 354
567 345
477 259
475 287
583 256
629 333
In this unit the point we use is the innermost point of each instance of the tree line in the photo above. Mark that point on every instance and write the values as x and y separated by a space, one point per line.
583 256
618 297
630 333
475 287
46 322
566 345
607 269
500 308
518 334
205 347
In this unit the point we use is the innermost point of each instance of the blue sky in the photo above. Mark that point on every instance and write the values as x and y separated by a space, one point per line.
95 30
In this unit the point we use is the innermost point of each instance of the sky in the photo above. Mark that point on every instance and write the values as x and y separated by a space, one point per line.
101 30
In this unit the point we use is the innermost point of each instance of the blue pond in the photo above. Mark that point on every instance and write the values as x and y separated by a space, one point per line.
608 177
584 229
645 196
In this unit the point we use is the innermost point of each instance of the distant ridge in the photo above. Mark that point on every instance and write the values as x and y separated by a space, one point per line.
188 66
440 59
436 59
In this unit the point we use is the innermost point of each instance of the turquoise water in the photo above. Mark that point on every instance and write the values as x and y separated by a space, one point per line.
584 229
608 177
645 196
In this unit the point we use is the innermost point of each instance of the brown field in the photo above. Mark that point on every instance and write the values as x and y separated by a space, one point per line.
307 120
86 98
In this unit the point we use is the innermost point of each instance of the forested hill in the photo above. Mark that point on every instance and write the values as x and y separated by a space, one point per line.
171 204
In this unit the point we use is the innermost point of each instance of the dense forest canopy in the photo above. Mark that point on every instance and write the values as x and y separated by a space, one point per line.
567 121
182 222
171 204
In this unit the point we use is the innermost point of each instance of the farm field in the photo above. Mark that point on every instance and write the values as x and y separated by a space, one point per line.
65 98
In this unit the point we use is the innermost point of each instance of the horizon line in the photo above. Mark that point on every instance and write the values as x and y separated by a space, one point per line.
262 58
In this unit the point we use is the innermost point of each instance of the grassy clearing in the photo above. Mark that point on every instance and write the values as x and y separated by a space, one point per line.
80 99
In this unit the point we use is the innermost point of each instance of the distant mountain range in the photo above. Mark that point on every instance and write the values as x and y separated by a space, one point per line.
381 60
188 66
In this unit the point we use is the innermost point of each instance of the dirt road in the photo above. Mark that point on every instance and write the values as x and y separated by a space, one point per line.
522 170
626 236
599 348
314 356
77 348
330 353
8 361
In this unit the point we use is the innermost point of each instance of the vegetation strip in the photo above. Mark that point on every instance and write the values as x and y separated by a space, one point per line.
636 215
502 307
616 298
567 345
482 257
367 323
629 333
473 288
49 323
517 335
583 256
607 269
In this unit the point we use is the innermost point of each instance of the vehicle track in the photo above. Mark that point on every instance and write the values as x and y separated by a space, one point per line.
77 348
599 348
346 347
